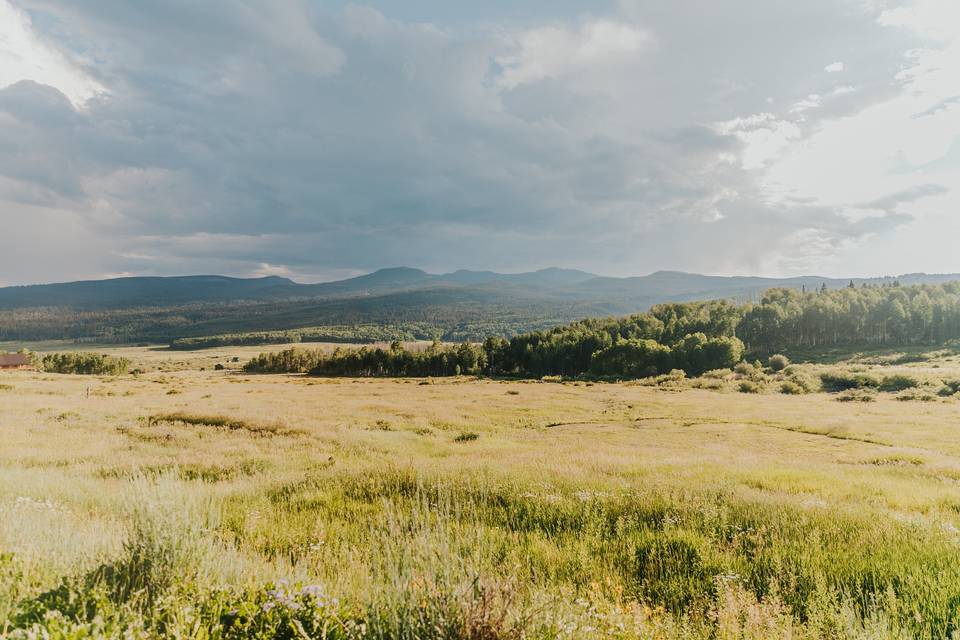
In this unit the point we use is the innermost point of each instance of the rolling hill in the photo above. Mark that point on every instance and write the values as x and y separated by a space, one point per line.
456 305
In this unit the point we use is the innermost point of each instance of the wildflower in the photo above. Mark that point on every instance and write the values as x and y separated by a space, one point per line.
312 590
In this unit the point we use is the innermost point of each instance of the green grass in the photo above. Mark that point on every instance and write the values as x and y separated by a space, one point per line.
285 507
217 421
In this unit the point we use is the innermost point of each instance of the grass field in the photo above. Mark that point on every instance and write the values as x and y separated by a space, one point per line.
211 504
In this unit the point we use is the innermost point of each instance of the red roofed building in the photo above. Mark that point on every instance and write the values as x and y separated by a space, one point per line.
13 361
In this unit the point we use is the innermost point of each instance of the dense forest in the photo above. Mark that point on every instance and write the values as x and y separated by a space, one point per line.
81 363
893 315
694 337
356 334
422 315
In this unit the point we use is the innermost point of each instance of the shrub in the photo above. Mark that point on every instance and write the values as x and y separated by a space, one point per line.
949 388
899 382
857 395
792 388
748 386
745 369
718 374
806 382
845 380
837 381
915 394
712 384
778 362
673 379
467 436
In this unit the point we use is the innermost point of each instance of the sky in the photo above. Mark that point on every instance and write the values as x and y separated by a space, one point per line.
319 139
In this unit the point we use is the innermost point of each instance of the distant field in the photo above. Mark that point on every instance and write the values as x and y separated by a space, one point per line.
160 357
174 502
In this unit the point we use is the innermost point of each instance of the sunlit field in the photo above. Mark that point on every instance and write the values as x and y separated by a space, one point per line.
192 502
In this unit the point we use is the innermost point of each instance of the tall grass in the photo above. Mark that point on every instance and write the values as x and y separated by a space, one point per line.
611 511
478 559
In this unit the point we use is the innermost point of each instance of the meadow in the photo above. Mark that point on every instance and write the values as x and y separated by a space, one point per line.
191 502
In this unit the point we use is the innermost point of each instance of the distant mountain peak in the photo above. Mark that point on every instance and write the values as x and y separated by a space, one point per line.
551 285
399 270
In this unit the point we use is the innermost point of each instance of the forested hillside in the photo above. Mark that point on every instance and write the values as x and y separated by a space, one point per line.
464 305
694 337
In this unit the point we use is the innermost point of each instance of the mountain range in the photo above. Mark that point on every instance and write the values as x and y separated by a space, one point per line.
547 284
458 305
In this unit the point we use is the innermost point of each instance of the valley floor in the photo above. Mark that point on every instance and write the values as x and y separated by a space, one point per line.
216 504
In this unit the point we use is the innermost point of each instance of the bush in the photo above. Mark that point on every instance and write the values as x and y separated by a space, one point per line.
745 369
84 364
778 362
748 386
792 388
844 380
899 382
806 382
711 384
915 395
718 374
857 395
949 388
675 378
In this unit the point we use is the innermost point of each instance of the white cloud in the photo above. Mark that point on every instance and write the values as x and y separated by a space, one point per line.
898 155
764 137
24 56
835 67
935 18
243 138
812 101
551 52
265 269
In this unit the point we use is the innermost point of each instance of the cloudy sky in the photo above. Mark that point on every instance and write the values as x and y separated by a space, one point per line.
320 139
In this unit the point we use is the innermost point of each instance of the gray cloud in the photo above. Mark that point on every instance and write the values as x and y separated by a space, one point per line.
235 134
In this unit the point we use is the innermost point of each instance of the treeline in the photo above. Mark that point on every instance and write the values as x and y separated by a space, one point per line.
614 348
396 361
695 337
356 334
82 363
887 316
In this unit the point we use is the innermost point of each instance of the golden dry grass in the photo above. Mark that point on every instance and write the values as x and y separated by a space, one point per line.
72 445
